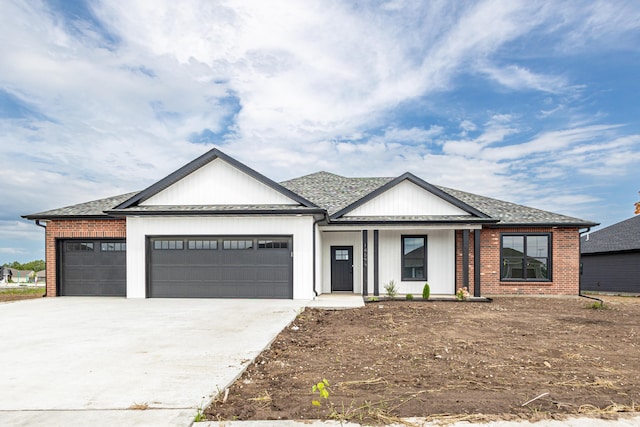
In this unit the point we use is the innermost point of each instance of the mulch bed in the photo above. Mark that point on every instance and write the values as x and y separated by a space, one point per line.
448 361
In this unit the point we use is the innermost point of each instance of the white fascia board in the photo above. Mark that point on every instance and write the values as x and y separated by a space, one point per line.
361 227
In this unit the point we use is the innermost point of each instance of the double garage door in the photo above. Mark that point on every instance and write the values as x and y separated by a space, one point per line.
182 267
220 267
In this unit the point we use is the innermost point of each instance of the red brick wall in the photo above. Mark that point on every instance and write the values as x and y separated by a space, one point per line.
69 229
459 251
565 259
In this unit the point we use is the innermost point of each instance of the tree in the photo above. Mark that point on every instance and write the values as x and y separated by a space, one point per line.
36 265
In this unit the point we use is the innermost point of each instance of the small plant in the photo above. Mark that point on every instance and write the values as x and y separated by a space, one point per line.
597 305
462 294
426 291
391 288
409 297
200 416
322 390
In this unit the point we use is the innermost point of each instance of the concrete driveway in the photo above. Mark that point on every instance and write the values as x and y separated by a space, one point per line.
90 361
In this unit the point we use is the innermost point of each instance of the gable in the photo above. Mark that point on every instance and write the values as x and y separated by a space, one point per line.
403 199
218 183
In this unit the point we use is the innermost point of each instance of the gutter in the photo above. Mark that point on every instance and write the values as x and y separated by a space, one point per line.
580 267
313 232
45 228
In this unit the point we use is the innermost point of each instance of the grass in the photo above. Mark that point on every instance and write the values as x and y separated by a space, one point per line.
597 305
23 291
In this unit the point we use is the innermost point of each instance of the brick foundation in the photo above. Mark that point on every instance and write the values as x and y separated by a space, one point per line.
565 259
70 229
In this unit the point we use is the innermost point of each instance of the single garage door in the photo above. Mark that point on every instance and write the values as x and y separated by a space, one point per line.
221 267
93 267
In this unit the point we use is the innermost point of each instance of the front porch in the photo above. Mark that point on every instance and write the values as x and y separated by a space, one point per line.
363 259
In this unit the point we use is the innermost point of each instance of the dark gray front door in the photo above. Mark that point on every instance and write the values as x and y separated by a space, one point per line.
342 268
220 267
92 267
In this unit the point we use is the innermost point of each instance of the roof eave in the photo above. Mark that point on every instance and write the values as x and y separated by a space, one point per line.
547 224
414 222
61 217
124 212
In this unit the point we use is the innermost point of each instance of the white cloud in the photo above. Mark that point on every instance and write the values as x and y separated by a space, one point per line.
519 78
318 85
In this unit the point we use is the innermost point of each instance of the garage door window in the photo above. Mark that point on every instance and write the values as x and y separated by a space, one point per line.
273 244
168 244
79 246
113 247
237 244
203 244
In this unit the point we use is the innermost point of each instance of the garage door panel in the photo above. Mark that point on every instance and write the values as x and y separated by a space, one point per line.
87 270
220 273
220 289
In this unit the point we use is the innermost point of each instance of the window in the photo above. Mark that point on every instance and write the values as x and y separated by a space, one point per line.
168 244
79 246
237 244
342 255
113 247
414 257
203 244
525 257
272 244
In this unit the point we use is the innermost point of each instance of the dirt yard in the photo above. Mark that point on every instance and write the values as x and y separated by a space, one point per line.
16 294
447 361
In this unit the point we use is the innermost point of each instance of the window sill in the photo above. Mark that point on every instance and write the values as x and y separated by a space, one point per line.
526 282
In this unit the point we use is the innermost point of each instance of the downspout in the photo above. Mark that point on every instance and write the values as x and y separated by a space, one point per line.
580 268
313 230
45 235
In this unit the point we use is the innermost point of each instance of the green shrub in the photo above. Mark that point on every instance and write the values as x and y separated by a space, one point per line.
409 297
426 291
598 305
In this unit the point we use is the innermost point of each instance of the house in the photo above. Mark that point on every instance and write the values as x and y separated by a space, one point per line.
13 275
217 228
611 258
41 277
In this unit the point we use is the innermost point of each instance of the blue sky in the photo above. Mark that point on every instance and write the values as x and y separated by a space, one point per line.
530 102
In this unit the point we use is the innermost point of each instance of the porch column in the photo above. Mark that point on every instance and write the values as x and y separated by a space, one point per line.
465 258
476 263
376 283
365 263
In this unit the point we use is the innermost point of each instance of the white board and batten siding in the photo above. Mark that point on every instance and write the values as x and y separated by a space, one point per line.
300 227
329 239
440 261
218 183
406 198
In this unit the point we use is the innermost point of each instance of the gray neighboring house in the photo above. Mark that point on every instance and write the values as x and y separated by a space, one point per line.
611 258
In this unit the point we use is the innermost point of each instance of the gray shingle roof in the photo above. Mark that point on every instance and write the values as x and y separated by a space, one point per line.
513 214
94 208
333 193
622 236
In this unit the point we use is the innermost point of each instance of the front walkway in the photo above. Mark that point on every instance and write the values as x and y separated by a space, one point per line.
337 301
